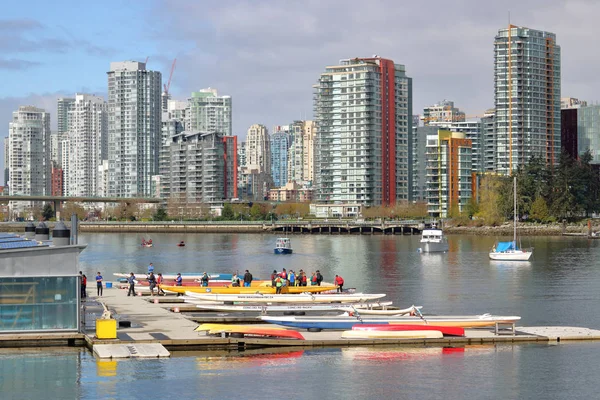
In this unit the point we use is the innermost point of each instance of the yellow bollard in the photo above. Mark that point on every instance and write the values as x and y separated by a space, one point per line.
106 328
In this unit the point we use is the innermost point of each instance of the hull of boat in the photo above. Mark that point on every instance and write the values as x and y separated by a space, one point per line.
287 298
445 330
184 276
421 334
434 247
250 330
344 323
290 307
248 290
282 251
511 256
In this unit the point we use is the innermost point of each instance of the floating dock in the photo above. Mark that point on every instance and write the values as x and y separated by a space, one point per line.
144 321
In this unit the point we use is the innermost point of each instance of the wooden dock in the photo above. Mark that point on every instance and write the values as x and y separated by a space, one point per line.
144 321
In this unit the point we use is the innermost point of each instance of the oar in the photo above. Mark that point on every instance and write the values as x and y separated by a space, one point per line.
418 312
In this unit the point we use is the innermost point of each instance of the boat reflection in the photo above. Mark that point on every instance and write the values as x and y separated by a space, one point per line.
397 353
213 360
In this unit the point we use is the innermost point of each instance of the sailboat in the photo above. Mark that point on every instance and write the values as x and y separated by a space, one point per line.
511 251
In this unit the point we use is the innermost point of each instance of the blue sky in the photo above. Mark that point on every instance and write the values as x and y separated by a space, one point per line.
267 54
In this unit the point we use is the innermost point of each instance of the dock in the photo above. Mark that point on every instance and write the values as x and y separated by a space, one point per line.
142 320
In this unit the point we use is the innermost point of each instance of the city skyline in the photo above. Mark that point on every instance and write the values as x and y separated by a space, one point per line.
270 77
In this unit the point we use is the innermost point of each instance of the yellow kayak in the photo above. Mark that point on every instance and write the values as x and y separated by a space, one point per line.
264 289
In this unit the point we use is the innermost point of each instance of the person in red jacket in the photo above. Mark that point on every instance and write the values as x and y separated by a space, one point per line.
339 282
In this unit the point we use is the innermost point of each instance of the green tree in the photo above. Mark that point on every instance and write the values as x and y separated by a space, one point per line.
565 189
227 214
47 212
161 214
539 210
489 197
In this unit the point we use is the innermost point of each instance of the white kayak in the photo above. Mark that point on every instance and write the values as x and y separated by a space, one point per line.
412 310
288 298
392 335
289 307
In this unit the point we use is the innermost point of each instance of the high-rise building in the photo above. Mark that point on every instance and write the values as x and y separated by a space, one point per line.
419 170
488 122
230 167
29 152
442 112
449 173
86 144
210 112
258 149
6 164
527 97
281 140
571 102
363 110
134 128
301 152
64 105
57 188
474 130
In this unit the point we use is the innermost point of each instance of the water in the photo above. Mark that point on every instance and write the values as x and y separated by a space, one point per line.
559 287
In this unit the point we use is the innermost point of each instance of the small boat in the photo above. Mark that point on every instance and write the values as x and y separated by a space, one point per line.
287 298
413 310
422 334
446 330
264 308
346 322
147 244
181 244
264 288
511 251
249 330
433 241
283 246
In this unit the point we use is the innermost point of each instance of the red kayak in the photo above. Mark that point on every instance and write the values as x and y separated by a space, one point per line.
446 330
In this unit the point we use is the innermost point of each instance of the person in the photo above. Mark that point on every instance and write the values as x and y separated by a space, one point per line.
152 282
235 281
278 284
159 282
178 280
291 278
313 279
273 276
83 285
131 281
150 268
284 277
99 284
304 279
339 282
247 279
149 241
319 278
204 280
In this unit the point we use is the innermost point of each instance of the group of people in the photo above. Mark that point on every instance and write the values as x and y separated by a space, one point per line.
291 278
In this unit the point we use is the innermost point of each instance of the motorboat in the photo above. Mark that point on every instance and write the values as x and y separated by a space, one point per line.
283 246
433 241
511 251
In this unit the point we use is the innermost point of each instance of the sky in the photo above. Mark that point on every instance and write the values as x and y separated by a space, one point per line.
267 54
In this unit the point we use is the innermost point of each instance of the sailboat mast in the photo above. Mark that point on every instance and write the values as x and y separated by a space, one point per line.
515 211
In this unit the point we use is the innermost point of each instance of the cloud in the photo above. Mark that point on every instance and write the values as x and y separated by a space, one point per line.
17 64
19 25
268 54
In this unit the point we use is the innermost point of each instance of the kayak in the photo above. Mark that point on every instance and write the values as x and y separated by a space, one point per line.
446 330
422 334
410 310
250 330
347 322
287 298
234 290
287 307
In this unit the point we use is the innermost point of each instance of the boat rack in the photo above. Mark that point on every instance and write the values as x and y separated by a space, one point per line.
506 326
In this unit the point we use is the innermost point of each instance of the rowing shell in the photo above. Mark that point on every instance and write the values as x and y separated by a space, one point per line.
446 330
288 298
290 307
250 330
422 334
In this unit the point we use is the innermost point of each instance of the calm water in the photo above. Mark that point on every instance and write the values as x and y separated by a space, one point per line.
559 287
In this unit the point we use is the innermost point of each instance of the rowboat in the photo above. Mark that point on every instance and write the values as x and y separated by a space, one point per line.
184 276
287 298
422 334
250 330
263 288
345 322
288 307
446 330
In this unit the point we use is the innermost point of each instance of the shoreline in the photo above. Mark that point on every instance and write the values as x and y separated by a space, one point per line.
577 230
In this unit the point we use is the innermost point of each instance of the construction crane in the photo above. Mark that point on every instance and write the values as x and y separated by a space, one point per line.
146 62
168 84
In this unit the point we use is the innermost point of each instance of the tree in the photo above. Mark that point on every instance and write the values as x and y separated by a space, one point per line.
71 208
565 188
539 210
489 197
227 213
161 214
47 212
